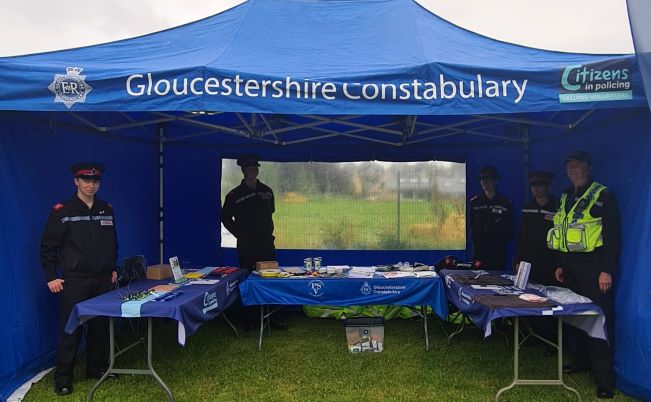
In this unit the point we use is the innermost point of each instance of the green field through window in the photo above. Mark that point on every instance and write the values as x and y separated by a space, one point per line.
362 205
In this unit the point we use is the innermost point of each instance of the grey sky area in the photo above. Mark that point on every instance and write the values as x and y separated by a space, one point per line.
585 26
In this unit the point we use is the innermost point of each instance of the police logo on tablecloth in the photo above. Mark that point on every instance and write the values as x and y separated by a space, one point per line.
71 87
230 287
366 289
210 301
316 288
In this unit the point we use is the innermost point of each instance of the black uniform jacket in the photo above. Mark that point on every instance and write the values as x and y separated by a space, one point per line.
605 207
80 240
247 213
531 242
492 226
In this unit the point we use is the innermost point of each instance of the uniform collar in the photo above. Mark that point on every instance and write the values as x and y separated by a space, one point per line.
581 190
79 203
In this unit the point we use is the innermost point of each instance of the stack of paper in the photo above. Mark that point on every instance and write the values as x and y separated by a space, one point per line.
361 272
397 274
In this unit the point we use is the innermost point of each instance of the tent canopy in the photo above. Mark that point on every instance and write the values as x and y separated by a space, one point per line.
299 80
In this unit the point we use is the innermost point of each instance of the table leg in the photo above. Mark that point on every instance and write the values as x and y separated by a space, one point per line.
423 312
112 355
516 363
261 328
230 324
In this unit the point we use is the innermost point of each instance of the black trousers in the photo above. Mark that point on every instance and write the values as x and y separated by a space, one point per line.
581 273
76 290
248 253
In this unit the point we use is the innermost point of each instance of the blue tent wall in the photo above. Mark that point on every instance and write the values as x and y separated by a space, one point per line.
620 144
34 175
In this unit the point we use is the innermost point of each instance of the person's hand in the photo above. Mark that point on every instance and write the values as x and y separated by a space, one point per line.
55 285
558 274
605 282
114 277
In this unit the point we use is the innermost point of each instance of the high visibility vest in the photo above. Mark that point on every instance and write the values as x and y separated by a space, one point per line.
577 231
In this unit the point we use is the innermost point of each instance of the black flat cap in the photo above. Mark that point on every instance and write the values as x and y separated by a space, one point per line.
88 170
580 156
248 161
540 177
488 172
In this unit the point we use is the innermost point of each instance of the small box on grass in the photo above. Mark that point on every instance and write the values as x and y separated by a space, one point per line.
160 271
365 334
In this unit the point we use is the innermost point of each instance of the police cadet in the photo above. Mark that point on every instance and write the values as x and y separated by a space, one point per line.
531 246
586 232
247 214
80 239
491 221
537 219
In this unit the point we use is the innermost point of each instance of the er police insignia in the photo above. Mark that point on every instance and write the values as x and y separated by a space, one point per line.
70 88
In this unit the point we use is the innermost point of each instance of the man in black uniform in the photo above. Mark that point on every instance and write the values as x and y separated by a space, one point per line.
537 219
531 246
491 221
247 214
80 238
586 231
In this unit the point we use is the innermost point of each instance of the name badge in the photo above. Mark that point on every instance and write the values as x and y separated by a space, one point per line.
106 223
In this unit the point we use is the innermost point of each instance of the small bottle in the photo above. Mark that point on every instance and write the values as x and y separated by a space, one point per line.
317 263
307 264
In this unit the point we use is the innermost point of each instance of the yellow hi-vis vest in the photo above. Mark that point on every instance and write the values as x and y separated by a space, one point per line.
577 231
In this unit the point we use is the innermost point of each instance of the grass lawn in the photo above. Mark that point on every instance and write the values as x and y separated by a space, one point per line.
310 362
365 224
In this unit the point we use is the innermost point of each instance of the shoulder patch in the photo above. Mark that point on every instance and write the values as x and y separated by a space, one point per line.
57 207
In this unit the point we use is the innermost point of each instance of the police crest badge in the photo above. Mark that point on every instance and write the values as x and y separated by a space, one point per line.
71 87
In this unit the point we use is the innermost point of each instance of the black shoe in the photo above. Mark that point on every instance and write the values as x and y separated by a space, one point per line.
575 368
99 375
62 390
605 393
279 325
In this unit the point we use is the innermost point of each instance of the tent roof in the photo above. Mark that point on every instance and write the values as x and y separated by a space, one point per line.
316 57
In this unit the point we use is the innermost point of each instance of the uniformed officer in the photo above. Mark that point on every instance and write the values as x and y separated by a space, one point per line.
586 233
531 246
537 219
247 214
80 239
491 221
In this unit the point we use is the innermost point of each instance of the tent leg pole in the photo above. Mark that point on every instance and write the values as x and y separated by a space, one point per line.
161 136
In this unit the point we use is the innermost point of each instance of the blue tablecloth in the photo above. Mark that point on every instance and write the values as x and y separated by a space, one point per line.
588 316
196 305
345 292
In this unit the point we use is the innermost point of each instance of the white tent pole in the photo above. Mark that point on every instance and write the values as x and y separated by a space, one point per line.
161 219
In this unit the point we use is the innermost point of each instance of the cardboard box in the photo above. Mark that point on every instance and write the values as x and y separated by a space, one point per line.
365 334
266 265
160 271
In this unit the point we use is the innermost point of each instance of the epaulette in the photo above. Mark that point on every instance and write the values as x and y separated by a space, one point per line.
57 207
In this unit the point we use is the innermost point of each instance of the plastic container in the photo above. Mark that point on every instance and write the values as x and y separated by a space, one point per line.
365 334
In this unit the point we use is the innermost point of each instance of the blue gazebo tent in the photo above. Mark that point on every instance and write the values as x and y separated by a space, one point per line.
294 80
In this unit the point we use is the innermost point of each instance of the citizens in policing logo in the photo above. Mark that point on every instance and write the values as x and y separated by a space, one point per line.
71 87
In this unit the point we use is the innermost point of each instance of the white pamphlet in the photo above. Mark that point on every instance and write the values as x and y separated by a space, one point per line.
522 277
176 270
